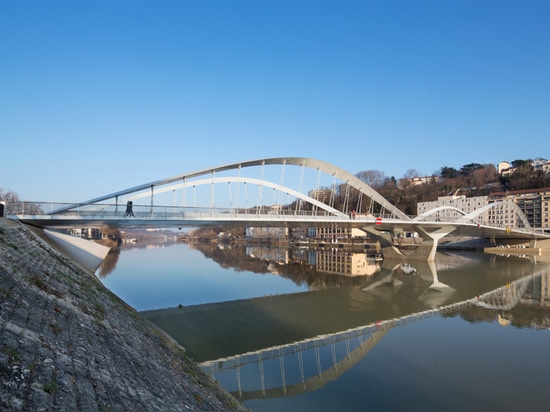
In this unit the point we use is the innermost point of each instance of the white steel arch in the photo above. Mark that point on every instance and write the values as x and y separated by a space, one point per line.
313 164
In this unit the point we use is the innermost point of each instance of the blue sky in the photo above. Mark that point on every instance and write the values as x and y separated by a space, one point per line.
99 96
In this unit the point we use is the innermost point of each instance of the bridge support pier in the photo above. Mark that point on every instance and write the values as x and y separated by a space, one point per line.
389 251
430 240
423 252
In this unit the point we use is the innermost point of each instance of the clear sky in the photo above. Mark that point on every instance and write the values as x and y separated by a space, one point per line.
99 96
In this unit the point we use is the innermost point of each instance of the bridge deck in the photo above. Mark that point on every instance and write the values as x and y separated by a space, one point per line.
216 218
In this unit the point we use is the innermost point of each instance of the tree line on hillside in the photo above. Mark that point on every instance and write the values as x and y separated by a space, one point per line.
473 179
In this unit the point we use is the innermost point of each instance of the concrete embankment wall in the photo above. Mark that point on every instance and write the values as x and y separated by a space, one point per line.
67 343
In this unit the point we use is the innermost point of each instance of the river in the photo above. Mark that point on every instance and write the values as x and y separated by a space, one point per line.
330 329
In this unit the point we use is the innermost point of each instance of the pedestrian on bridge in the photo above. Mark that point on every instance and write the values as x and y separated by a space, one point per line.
129 211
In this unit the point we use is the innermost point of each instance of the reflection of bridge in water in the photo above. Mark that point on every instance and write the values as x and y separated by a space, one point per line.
309 364
293 369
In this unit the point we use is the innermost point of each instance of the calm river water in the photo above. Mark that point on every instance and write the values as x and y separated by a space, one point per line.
328 329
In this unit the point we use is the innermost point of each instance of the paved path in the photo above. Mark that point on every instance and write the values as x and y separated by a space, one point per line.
67 343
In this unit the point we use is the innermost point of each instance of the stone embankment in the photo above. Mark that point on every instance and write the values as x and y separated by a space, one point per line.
67 343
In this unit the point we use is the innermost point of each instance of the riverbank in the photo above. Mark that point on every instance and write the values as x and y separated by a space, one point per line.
67 343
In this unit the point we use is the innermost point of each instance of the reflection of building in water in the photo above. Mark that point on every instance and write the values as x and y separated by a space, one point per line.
538 293
298 254
515 302
334 260
311 257
268 253
343 262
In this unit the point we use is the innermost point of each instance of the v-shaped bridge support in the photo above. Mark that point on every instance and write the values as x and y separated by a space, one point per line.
423 252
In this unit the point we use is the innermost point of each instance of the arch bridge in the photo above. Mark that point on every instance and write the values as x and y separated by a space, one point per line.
275 192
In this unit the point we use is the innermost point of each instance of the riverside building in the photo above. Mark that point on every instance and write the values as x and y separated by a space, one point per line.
534 203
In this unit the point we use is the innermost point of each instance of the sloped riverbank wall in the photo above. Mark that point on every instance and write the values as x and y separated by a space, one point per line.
67 343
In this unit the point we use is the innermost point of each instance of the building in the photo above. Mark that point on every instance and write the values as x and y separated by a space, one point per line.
335 234
267 233
463 203
87 233
417 181
540 164
506 169
533 202
299 232
502 166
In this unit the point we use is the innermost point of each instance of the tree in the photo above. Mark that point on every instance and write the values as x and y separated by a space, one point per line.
374 178
486 174
448 172
521 163
468 169
15 205
409 174
112 233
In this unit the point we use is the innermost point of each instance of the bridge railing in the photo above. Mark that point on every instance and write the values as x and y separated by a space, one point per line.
478 221
113 211
24 209
109 211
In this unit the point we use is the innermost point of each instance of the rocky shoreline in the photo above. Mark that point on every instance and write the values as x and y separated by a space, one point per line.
67 343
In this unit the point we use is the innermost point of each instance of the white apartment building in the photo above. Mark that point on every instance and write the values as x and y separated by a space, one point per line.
463 203
534 203
503 216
